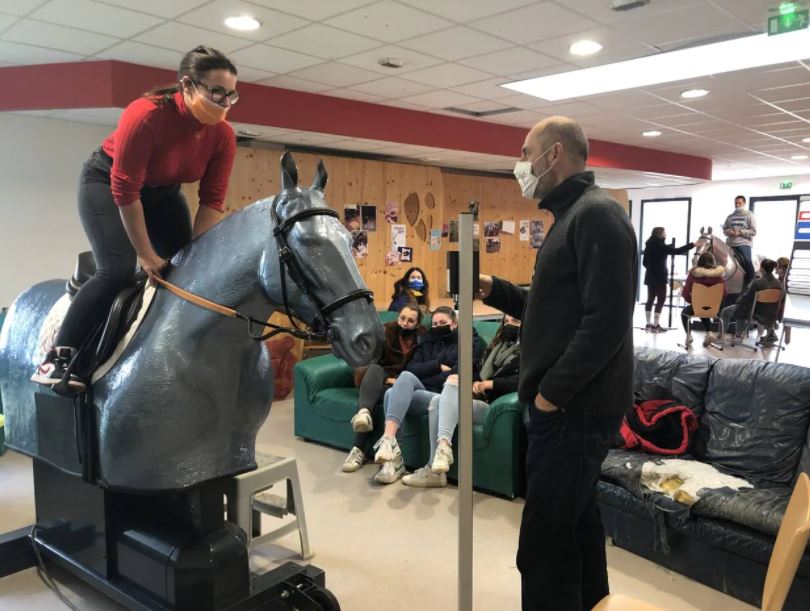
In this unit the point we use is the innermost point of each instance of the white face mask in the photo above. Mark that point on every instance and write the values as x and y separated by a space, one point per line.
526 179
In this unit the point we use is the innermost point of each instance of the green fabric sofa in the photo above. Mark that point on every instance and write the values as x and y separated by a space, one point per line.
326 400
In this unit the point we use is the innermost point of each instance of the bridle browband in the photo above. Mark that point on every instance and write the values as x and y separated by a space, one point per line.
287 263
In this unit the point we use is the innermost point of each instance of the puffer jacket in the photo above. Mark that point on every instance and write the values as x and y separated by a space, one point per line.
704 276
434 351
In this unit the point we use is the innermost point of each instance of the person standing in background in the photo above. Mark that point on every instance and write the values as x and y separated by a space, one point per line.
656 276
740 228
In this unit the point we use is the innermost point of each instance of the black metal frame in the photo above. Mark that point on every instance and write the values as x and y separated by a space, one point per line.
641 240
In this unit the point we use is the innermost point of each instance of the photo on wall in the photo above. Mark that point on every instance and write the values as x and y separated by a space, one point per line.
445 230
360 244
493 245
452 231
368 214
405 254
435 239
492 229
524 231
351 217
392 212
537 233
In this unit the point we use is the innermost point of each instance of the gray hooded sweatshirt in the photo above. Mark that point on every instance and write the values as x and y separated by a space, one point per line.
743 220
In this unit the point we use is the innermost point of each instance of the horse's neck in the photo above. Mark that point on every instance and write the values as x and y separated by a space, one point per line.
223 264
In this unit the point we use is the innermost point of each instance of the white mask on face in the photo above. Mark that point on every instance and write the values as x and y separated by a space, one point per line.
526 179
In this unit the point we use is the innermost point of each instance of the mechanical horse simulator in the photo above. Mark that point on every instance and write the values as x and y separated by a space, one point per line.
130 476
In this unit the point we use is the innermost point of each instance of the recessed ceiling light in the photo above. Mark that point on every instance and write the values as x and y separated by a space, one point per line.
651 133
799 157
685 64
243 23
694 93
585 47
805 139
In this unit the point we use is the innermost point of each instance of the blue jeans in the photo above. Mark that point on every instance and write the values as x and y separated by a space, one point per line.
407 395
748 266
561 554
443 415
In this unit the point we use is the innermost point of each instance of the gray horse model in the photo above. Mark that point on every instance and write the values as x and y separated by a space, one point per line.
185 400
723 255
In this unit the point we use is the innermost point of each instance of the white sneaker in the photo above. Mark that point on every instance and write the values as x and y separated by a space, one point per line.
387 450
443 459
354 461
391 471
689 341
361 421
707 341
425 478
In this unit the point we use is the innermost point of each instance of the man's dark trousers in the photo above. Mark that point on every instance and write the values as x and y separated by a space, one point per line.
561 556
748 266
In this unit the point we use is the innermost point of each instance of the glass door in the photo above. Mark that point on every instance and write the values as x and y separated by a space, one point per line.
776 221
674 215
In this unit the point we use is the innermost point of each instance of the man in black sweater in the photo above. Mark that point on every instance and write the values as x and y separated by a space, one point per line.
576 365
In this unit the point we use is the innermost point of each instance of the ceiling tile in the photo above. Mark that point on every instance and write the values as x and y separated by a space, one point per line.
600 10
539 21
162 8
352 94
465 10
802 105
296 84
780 94
510 61
488 89
336 74
519 100
483 106
323 41
6 21
147 55
313 10
456 43
21 7
252 75
447 75
616 47
388 21
95 17
183 37
751 12
370 60
521 117
622 100
58 37
392 87
15 53
440 99
212 17
571 109
273 59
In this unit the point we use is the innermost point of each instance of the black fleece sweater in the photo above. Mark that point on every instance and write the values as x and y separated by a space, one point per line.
576 333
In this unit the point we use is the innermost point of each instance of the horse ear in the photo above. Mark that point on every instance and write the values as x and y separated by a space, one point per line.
320 177
702 230
710 230
289 173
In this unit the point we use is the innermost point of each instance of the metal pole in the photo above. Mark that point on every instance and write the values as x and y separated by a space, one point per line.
671 278
465 424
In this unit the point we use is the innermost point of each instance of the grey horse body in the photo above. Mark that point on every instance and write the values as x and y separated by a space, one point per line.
184 402
723 255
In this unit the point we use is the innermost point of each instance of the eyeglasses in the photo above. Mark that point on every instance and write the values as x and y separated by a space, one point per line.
219 94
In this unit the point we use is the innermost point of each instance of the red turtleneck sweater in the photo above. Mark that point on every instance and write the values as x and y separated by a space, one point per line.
161 145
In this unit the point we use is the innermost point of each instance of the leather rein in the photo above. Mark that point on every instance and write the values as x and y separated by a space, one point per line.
321 329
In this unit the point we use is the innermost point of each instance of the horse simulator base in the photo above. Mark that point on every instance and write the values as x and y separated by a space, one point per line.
172 551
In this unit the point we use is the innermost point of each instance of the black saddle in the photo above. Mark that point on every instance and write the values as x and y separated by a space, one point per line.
122 314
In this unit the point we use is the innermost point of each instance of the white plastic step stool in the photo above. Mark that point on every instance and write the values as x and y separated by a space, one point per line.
248 498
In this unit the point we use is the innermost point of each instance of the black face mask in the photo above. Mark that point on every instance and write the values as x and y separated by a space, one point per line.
442 331
510 333
407 332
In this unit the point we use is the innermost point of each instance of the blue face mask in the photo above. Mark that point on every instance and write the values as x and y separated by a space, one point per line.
416 285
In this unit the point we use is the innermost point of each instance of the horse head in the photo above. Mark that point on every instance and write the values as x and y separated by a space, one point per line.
315 250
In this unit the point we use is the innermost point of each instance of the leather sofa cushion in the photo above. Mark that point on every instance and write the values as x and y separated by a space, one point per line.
755 420
662 374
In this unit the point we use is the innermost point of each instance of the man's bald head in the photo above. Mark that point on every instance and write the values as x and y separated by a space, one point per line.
565 131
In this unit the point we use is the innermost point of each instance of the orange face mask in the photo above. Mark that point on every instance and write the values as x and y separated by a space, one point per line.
204 110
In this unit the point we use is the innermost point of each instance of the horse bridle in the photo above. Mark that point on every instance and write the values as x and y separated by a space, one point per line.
289 264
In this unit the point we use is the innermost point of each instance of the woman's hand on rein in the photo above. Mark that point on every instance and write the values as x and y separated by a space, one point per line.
153 265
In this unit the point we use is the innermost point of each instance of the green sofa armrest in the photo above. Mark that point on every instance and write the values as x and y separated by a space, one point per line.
507 404
322 372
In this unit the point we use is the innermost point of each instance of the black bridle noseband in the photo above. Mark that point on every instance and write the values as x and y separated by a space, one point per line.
287 263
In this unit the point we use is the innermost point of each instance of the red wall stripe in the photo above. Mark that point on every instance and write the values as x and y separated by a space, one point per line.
115 84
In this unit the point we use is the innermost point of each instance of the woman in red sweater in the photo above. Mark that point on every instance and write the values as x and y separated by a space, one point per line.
130 202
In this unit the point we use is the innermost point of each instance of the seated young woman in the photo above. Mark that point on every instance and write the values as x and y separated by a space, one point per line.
413 287
499 375
400 342
766 313
707 273
433 361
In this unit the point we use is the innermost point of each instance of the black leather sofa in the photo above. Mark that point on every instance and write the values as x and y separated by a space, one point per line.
753 422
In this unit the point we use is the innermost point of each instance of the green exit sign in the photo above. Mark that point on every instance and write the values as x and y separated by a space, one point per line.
785 185
788 22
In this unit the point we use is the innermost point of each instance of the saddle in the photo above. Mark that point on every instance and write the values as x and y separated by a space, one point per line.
122 314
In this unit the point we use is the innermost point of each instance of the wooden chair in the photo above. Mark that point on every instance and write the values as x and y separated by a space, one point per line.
787 553
764 296
706 303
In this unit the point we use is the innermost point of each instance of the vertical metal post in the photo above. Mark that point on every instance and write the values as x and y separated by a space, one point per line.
465 424
671 278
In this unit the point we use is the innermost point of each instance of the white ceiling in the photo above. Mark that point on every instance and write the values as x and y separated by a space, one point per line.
456 53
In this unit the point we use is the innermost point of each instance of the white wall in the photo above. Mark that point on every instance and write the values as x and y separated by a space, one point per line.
712 202
40 232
